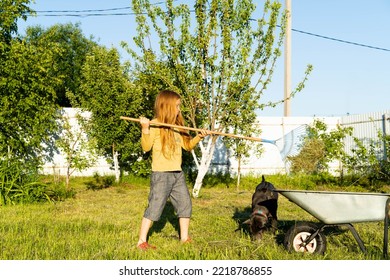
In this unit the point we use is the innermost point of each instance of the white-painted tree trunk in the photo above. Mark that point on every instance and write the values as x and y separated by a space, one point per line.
238 174
203 166
116 166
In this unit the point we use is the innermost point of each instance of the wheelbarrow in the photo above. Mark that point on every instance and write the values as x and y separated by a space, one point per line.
334 209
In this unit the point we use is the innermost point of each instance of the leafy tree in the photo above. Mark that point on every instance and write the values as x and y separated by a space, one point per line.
28 110
79 151
108 94
242 124
220 60
28 114
333 141
319 148
69 62
10 12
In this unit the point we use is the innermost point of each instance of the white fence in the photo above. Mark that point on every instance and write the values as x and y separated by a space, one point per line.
57 164
368 128
287 131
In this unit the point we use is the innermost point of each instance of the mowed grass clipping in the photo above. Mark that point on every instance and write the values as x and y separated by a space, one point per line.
104 224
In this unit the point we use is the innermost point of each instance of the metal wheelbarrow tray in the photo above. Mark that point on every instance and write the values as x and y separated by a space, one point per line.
335 209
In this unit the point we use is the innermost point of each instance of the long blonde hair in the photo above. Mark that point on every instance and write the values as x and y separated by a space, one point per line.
165 111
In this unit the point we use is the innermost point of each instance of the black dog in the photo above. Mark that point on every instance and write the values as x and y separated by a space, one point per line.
264 210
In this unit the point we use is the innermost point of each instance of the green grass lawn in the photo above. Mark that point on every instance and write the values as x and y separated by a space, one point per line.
103 225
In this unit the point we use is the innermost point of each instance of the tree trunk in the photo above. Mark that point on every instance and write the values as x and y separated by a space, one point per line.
238 173
116 164
67 180
207 155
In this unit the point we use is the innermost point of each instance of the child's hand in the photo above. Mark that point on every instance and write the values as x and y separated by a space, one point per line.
145 123
203 133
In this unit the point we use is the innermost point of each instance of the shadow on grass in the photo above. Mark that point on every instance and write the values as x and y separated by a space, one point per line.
168 216
240 216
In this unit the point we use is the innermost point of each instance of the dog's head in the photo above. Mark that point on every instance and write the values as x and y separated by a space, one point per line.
258 222
264 191
265 185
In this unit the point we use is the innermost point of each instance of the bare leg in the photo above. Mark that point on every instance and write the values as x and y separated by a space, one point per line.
184 225
143 233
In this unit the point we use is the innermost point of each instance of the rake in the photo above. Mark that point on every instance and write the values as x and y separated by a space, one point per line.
291 143
287 145
155 123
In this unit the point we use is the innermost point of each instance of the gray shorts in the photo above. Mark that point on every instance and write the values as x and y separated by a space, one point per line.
164 186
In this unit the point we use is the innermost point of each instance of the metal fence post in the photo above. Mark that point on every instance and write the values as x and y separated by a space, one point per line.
385 118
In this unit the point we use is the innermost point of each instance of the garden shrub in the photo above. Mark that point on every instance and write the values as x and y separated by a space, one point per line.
19 183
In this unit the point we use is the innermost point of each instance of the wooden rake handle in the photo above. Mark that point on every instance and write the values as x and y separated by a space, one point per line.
197 129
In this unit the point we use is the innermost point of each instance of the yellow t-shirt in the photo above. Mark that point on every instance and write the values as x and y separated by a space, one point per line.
152 141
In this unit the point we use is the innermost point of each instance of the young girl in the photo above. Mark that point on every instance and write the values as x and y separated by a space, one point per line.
167 178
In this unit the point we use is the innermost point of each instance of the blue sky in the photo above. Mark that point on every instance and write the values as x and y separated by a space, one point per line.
347 78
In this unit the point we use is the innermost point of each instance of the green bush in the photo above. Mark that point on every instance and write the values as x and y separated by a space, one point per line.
18 185
309 159
100 182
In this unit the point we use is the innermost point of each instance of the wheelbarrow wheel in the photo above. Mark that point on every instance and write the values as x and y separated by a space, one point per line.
296 237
